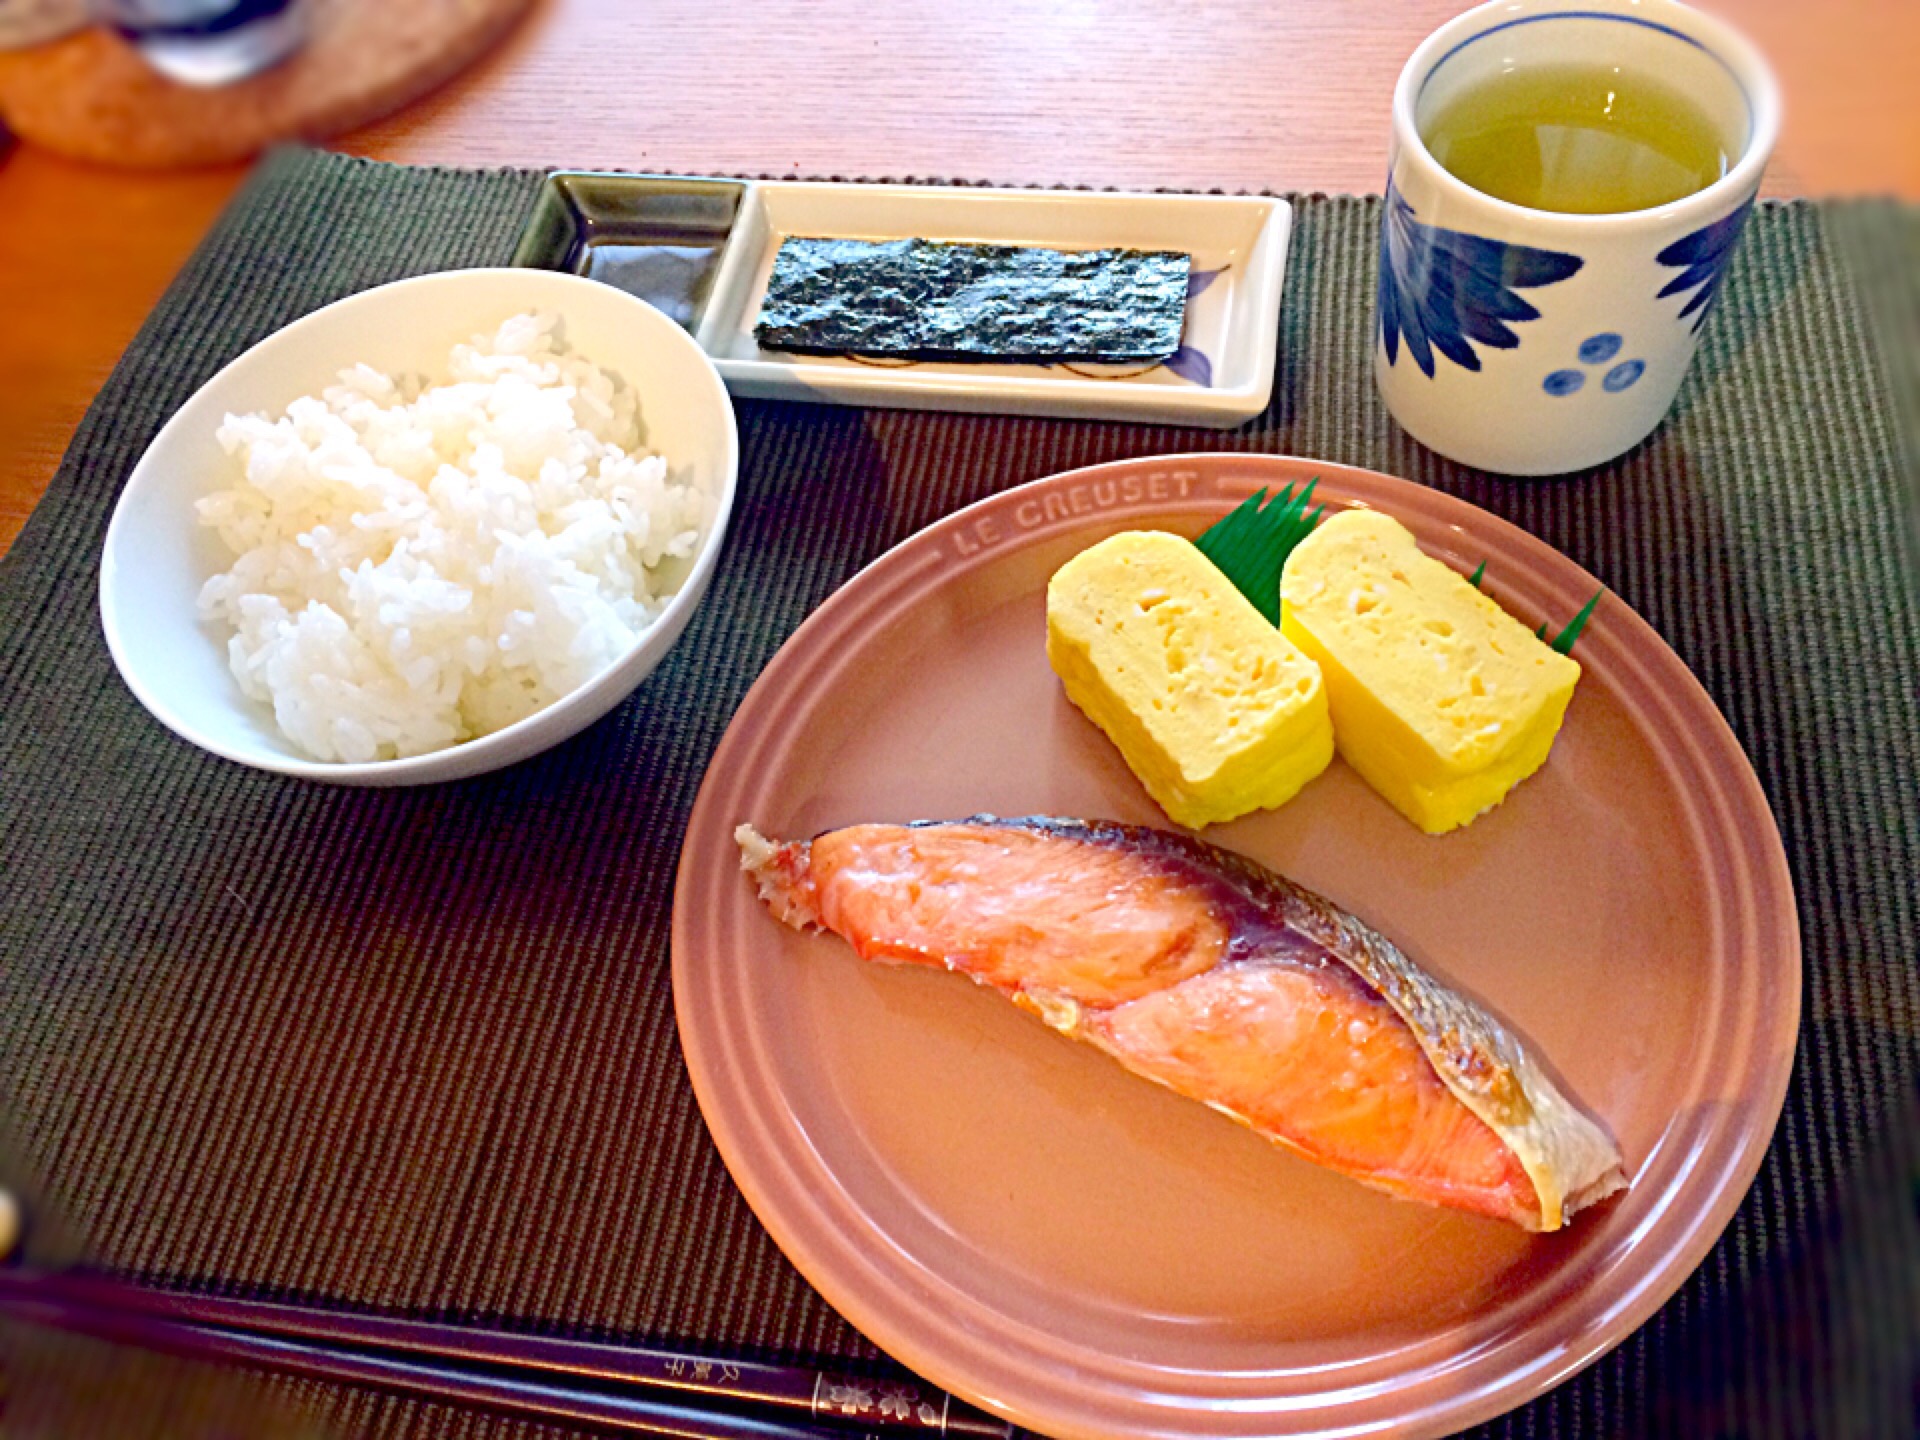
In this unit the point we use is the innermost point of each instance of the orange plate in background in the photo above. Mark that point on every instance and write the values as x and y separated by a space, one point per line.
1015 1217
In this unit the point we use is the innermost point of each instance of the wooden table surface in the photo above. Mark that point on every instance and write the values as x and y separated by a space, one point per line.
1199 93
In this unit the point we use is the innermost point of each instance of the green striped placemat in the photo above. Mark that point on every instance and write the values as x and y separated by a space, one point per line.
415 1049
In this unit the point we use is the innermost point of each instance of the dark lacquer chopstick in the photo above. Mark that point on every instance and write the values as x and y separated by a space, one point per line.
878 1406
633 1414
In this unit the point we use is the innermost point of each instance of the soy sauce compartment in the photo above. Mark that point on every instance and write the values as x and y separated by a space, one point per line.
659 238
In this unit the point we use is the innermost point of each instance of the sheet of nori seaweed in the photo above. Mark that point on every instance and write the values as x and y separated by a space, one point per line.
937 300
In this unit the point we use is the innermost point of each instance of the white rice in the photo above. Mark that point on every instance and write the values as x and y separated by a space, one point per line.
420 564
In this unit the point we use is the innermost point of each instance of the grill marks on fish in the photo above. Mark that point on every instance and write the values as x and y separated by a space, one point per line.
1214 977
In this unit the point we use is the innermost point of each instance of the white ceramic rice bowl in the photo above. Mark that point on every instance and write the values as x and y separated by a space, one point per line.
158 555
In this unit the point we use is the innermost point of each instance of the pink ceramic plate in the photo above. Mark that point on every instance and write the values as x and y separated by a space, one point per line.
1018 1219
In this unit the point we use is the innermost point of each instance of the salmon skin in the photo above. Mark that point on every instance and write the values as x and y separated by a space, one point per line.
1226 983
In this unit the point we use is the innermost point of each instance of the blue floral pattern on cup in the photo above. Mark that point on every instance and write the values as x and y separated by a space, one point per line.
1598 349
1447 290
1702 260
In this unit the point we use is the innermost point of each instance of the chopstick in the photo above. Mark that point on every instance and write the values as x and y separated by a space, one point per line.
634 1415
644 1391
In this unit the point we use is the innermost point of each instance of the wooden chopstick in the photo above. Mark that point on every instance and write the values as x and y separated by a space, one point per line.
640 1390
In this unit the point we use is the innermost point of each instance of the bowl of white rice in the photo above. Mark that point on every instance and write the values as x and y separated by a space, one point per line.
424 532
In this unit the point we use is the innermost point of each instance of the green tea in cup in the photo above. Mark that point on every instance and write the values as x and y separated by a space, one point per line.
1566 186
1578 138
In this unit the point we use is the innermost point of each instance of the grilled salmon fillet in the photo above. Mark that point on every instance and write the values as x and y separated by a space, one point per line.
1226 983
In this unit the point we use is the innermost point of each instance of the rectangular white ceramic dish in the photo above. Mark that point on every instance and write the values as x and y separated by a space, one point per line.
1221 376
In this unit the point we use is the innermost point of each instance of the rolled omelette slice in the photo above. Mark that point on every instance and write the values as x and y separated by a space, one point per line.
1441 699
1222 981
1214 710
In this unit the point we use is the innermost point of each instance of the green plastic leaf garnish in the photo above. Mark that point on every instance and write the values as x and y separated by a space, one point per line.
1563 642
1251 545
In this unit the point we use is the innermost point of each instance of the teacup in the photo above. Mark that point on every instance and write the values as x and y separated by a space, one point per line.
1535 342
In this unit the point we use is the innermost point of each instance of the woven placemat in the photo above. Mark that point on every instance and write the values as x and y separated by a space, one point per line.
414 1049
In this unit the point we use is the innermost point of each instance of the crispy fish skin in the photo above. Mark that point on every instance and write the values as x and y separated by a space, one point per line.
1209 974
